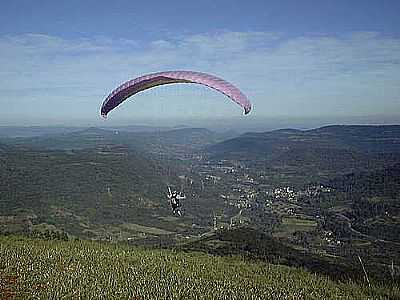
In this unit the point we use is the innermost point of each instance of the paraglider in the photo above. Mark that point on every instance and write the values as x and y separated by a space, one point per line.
139 84
148 81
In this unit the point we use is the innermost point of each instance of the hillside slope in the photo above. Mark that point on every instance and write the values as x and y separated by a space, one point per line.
331 149
52 270
75 190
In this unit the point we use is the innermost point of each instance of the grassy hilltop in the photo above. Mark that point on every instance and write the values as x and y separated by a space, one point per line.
38 269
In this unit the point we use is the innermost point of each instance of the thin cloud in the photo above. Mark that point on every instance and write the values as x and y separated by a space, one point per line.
356 73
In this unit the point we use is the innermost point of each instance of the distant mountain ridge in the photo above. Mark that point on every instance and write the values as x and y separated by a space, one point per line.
31 131
337 148
94 137
35 131
385 138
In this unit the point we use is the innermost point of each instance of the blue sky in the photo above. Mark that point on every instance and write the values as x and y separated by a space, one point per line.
293 59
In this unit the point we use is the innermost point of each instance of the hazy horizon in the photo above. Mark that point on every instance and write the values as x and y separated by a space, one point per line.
238 124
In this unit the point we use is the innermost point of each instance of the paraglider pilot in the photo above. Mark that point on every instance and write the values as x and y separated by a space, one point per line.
174 199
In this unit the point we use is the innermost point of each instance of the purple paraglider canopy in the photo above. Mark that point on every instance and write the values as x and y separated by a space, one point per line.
145 82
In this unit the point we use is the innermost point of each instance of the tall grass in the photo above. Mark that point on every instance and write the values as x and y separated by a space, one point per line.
37 269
